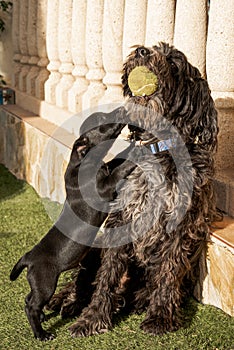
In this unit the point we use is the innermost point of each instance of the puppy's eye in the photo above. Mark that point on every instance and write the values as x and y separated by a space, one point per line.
83 153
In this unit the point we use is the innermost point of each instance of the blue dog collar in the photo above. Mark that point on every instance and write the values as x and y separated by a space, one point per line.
160 146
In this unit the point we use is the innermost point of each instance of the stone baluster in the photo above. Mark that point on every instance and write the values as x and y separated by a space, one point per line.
15 41
23 23
41 49
94 27
78 56
220 51
32 47
134 24
112 50
191 31
65 56
160 21
52 51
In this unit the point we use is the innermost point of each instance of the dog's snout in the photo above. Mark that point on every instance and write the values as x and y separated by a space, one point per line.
142 52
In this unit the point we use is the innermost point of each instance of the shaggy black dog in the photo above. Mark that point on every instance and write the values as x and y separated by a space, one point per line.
69 240
159 235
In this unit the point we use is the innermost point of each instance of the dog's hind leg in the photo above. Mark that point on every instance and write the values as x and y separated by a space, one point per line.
38 297
97 317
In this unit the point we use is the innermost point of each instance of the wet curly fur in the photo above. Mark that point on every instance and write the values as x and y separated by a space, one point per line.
166 223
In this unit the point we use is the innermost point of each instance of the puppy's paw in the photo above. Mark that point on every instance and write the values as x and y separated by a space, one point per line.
83 328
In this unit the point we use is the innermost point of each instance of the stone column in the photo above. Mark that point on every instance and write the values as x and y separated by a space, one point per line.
65 56
78 56
220 75
220 50
32 47
191 31
15 41
112 50
134 25
160 21
23 23
52 50
94 26
41 49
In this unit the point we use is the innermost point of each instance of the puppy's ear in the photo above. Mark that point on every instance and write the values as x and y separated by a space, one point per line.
80 144
81 148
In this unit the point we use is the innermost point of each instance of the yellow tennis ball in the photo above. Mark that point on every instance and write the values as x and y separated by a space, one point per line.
142 81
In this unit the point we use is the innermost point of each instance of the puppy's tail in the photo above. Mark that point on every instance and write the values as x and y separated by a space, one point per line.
18 268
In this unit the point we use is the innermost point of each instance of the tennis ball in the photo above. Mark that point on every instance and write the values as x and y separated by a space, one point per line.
142 81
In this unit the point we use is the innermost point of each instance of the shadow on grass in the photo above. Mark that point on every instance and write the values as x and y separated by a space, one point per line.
9 184
188 312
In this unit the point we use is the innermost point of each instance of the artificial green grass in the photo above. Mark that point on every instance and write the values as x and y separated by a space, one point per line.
23 221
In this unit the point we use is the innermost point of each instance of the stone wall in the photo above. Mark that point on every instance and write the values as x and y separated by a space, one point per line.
6 48
30 151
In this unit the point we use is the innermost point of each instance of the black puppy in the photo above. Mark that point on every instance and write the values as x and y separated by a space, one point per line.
68 241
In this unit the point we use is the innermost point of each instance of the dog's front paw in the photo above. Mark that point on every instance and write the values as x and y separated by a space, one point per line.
45 336
83 328
157 326
55 303
70 309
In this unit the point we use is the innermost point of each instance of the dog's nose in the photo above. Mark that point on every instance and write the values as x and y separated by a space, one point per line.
142 52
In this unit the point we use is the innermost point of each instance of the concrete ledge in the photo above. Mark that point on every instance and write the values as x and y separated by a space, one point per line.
215 286
35 150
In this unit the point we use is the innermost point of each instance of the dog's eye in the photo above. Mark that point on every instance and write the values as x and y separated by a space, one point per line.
174 67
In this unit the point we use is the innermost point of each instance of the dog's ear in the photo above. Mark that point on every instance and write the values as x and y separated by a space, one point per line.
180 65
126 89
204 115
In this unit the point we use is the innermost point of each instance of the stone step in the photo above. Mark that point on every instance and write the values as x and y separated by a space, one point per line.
216 282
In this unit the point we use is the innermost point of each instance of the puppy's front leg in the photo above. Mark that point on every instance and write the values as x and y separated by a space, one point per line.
107 182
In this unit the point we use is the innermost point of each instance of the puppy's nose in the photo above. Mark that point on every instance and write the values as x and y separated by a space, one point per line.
142 52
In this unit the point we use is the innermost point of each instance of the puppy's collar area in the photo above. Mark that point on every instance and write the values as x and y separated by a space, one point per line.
157 146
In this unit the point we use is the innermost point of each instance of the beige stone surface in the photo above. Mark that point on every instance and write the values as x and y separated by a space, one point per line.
215 286
94 32
65 56
33 155
134 25
80 84
160 21
52 51
112 50
190 31
220 46
23 21
225 154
